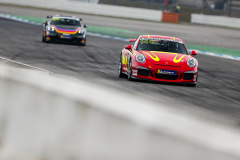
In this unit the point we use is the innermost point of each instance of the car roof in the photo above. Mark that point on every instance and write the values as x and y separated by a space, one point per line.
159 36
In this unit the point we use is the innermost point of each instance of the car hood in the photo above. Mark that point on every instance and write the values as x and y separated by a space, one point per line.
165 58
66 27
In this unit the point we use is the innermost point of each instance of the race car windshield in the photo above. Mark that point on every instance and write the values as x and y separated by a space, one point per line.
65 21
163 45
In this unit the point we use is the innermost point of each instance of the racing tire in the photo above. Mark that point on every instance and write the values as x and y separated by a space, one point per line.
130 70
120 74
84 44
43 39
193 85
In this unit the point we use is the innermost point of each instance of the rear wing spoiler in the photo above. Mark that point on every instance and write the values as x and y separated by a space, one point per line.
132 40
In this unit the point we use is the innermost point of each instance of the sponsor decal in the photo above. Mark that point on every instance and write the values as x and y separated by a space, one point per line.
155 40
160 71
65 37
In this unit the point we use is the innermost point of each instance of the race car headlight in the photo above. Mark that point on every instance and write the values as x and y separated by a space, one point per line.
50 28
191 62
140 58
81 31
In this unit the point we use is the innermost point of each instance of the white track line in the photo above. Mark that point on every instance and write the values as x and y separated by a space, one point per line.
40 69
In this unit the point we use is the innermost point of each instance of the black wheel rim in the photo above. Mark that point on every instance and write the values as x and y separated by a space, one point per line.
120 68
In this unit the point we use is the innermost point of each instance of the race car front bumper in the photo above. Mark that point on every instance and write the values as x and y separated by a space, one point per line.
73 39
180 75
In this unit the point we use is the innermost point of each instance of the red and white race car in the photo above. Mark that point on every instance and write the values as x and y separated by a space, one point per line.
159 58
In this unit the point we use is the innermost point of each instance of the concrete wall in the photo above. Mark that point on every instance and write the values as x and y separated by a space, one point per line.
43 117
215 20
90 8
88 1
194 3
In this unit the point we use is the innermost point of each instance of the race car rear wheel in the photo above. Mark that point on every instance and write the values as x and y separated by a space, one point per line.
43 39
130 70
120 74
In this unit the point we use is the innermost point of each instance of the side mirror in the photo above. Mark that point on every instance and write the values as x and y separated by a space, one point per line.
84 26
128 47
194 53
45 23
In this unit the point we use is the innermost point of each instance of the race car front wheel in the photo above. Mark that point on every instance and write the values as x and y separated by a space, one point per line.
120 74
44 39
193 85
130 70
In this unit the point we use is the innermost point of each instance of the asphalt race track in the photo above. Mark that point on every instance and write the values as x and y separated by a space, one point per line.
217 90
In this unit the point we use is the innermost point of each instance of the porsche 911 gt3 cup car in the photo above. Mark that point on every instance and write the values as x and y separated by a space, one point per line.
64 29
159 58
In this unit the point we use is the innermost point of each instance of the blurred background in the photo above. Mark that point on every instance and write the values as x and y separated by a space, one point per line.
230 8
